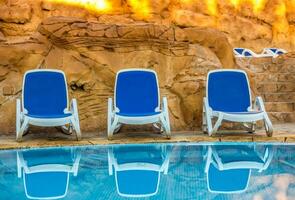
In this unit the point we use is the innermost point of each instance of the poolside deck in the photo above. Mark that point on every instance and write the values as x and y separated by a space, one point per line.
284 133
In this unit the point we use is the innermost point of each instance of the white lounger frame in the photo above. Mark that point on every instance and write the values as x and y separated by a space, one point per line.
264 54
23 121
22 169
254 55
112 163
209 114
115 121
213 157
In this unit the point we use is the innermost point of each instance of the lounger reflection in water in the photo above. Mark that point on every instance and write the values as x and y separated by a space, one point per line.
46 173
45 103
228 167
137 101
228 98
137 169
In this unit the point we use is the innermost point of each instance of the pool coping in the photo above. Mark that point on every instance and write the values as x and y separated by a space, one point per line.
284 134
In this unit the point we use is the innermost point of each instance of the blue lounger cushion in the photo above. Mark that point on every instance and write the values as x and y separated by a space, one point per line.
228 91
233 180
138 114
137 93
276 51
137 182
50 116
46 184
273 50
45 94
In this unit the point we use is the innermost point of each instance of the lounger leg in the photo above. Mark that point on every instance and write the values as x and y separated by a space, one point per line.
22 129
113 125
218 123
268 125
75 120
158 127
208 117
18 118
18 123
118 127
77 129
250 127
253 127
204 121
165 126
166 120
67 129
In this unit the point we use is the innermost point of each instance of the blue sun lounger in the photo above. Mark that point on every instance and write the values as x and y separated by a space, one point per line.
243 52
228 97
137 101
45 103
46 173
137 169
274 52
228 167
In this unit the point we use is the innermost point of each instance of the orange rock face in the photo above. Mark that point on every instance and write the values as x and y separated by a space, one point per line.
181 41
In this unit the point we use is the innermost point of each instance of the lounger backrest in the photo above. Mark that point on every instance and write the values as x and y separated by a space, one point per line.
228 91
136 91
45 92
46 185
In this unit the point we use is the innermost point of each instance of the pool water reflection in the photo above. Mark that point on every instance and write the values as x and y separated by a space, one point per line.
155 171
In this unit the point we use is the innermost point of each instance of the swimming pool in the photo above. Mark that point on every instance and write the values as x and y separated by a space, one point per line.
151 171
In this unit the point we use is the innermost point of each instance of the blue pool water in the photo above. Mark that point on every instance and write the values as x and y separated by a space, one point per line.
157 171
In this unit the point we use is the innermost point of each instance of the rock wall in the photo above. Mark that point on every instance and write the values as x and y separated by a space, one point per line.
91 53
246 23
92 47
275 83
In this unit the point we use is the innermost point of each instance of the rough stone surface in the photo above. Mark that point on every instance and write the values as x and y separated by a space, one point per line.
90 53
180 41
244 24
275 83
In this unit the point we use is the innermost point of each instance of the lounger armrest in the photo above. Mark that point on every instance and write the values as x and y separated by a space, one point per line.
259 104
